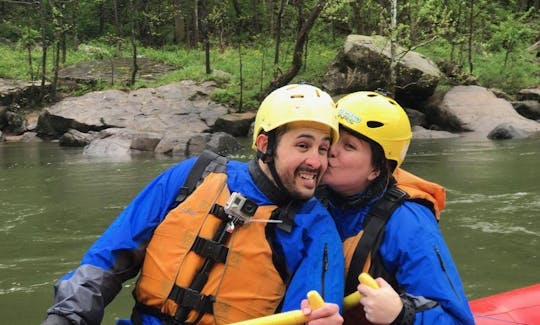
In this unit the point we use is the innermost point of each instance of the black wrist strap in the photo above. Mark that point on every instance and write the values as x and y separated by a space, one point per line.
408 312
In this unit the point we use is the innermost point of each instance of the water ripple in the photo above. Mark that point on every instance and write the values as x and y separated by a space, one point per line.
490 227
18 287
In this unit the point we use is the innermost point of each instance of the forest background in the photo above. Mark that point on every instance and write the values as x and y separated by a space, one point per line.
250 47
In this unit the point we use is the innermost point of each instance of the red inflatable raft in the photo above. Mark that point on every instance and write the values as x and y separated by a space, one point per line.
519 306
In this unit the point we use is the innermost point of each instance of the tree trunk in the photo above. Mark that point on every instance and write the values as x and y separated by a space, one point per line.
31 69
282 5
196 37
57 27
393 61
134 23
241 72
56 67
44 42
180 23
357 26
204 31
298 50
471 27
117 24
73 18
101 17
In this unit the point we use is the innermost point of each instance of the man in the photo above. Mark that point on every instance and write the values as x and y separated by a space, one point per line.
245 241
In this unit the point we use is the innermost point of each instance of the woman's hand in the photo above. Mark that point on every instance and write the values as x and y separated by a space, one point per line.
328 314
382 305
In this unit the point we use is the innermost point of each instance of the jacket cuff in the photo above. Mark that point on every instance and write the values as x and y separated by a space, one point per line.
55 319
407 314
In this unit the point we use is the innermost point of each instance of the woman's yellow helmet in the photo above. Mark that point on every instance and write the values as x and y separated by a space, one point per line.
295 103
378 118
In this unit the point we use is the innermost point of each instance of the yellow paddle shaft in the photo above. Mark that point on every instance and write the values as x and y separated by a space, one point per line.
353 299
293 317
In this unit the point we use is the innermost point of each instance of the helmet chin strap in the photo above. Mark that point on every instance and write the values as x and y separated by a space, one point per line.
268 158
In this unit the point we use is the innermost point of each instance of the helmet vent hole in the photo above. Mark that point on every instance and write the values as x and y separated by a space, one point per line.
374 124
297 96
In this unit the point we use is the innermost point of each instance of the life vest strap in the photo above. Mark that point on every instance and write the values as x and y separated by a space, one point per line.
219 211
210 249
192 299
376 219
206 162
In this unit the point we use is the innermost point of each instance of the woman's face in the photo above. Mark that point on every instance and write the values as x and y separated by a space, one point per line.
349 165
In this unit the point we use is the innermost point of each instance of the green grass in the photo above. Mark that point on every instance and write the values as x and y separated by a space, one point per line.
258 66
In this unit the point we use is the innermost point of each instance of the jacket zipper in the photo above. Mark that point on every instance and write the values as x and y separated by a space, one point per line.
444 270
324 268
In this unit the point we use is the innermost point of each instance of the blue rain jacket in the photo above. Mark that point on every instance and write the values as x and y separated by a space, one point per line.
414 251
313 251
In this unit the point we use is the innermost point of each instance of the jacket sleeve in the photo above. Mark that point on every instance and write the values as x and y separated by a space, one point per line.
317 263
117 255
414 250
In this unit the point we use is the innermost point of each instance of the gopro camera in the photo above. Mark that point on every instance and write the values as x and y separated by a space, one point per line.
240 207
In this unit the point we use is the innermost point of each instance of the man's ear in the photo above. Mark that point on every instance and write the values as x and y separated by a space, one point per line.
262 142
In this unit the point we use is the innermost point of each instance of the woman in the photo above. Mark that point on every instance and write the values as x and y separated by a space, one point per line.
390 233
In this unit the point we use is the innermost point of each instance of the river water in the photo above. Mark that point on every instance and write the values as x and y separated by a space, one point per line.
54 202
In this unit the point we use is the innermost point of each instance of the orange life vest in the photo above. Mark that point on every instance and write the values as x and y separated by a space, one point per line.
244 285
430 194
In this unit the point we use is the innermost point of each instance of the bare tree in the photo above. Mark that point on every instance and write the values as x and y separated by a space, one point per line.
298 50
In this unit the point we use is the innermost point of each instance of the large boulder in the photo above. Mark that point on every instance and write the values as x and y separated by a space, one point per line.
476 111
163 120
364 64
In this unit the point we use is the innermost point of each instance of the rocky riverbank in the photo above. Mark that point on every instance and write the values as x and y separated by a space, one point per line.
180 119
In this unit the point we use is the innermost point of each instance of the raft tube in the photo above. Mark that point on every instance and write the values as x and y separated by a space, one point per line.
519 306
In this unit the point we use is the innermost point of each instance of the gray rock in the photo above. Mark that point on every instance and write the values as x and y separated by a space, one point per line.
174 119
529 94
506 131
236 124
74 138
16 123
420 132
416 117
477 111
364 63
528 108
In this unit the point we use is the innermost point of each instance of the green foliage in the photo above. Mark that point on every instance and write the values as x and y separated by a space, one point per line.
436 28
9 31
511 33
516 74
490 70
29 37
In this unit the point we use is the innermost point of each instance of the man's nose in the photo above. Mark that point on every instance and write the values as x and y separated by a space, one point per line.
315 159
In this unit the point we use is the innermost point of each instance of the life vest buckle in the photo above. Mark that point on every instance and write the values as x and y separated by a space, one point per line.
210 249
192 299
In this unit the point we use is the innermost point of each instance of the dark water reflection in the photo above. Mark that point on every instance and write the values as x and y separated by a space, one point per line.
54 202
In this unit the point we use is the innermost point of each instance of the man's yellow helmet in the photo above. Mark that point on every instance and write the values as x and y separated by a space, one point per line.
378 118
295 103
